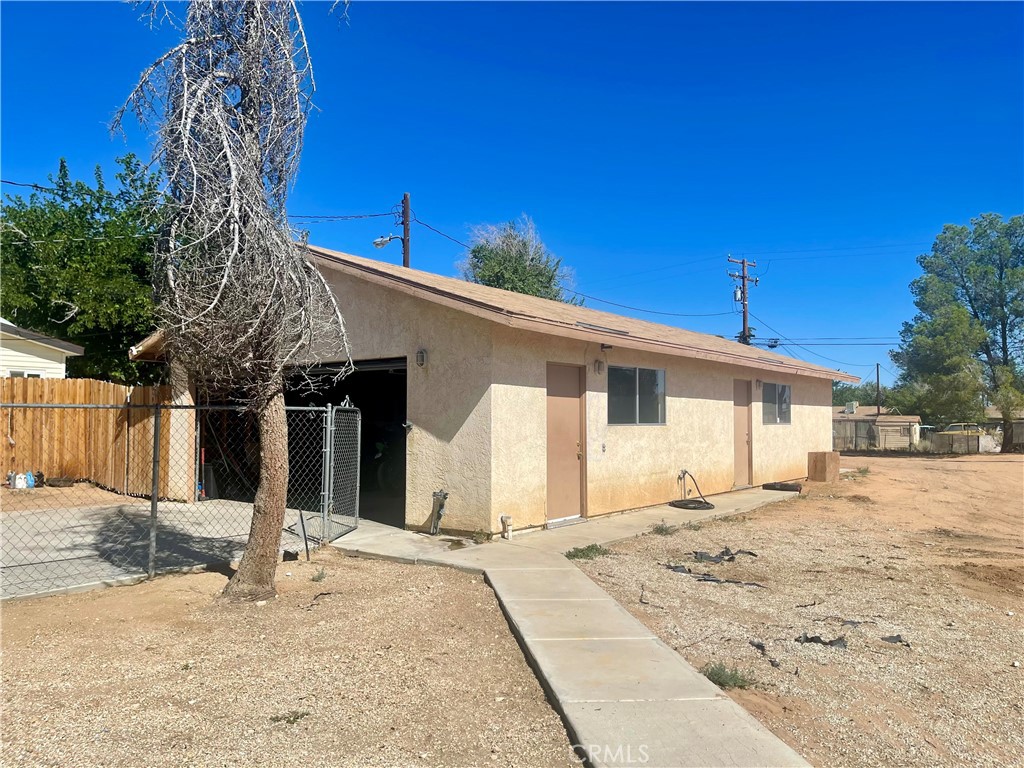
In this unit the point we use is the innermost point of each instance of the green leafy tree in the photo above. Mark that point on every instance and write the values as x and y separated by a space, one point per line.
513 257
965 347
77 265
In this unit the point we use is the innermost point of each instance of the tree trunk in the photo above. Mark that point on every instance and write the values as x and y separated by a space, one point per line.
254 579
1007 446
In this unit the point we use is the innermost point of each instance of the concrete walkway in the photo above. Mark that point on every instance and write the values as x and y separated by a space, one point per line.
625 696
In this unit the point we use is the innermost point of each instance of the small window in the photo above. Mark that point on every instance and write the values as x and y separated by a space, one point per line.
636 395
776 402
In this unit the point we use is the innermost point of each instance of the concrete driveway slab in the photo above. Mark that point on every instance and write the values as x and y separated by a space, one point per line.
618 670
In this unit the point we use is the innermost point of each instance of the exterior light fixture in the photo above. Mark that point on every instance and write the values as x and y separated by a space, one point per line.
381 241
421 357
605 347
599 367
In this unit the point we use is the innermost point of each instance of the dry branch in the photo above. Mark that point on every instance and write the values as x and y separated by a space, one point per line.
238 301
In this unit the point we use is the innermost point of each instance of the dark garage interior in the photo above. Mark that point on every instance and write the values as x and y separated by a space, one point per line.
378 389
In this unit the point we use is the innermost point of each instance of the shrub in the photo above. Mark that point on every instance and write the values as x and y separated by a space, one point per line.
724 677
289 717
588 552
663 529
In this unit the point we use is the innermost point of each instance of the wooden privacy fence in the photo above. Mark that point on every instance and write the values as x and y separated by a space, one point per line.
110 445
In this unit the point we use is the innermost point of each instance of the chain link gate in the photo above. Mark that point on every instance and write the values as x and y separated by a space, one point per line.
338 511
342 503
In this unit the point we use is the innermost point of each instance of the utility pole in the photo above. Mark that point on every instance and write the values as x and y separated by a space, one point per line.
746 335
405 230
878 389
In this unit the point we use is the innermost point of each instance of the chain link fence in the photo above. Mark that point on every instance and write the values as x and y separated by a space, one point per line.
100 494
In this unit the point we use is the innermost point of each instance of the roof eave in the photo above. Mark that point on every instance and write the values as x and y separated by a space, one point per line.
551 327
149 350
69 349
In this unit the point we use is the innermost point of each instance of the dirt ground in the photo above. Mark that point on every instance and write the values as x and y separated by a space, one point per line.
376 664
930 549
47 497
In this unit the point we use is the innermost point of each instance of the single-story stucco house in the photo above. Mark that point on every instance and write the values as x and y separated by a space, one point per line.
27 354
544 411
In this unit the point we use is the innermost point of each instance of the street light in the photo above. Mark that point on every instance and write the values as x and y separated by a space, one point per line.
381 241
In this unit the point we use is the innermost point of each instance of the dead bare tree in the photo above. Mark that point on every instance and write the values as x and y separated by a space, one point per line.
239 302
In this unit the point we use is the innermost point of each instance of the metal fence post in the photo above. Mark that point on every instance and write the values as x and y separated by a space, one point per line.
155 494
328 475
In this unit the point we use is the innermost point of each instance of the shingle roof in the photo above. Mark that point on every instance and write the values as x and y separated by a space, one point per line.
559 319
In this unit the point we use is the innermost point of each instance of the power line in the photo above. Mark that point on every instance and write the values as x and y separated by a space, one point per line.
98 238
844 338
831 360
835 248
587 296
895 376
340 217
439 232
650 311
843 343
310 217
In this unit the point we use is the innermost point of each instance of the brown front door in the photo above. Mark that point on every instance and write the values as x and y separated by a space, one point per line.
741 432
565 441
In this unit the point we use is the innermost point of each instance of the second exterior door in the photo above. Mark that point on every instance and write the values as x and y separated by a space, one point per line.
566 443
741 432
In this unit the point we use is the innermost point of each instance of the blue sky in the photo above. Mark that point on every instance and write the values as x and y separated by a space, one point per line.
830 142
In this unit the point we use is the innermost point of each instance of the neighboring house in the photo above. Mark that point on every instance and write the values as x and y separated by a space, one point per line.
27 354
867 427
994 420
547 412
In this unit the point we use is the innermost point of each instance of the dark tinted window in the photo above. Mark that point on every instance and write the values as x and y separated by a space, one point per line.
636 395
621 395
651 395
776 403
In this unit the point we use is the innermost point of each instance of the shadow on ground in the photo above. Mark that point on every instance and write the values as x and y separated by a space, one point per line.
122 540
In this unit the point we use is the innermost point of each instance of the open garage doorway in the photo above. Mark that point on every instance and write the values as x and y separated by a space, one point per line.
378 389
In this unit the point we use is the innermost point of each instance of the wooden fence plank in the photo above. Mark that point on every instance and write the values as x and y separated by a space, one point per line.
111 447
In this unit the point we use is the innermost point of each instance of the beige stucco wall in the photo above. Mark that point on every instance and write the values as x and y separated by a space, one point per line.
449 400
780 450
479 415
636 465
17 354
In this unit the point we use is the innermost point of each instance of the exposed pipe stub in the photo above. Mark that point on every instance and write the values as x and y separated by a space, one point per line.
440 497
686 503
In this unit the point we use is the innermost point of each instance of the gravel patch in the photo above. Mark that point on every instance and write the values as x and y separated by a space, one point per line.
929 613
376 664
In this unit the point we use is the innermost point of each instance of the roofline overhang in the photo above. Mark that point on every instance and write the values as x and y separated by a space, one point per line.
149 350
527 322
23 334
